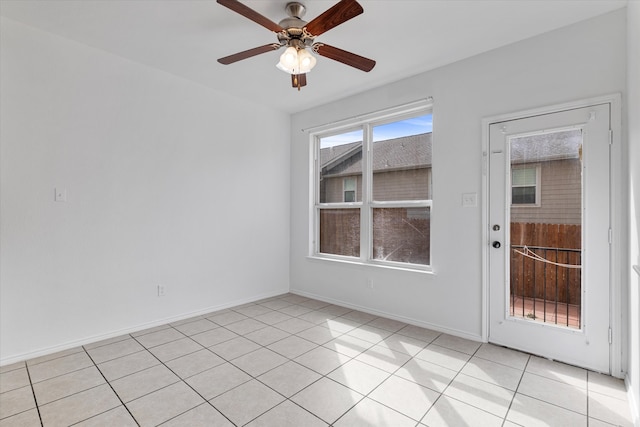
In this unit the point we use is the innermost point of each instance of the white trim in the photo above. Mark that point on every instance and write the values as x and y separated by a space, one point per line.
140 327
616 226
402 266
635 411
615 100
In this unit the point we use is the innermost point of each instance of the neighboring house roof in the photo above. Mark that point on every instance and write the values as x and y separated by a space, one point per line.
409 152
550 146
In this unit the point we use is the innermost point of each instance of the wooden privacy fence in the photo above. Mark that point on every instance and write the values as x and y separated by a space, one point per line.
564 236
545 262
399 234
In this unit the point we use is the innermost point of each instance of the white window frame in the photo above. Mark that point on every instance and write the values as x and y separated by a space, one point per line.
538 185
365 123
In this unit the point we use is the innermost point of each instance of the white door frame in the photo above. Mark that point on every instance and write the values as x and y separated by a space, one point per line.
616 309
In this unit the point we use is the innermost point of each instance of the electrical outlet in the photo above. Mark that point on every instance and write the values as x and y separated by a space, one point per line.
161 291
60 194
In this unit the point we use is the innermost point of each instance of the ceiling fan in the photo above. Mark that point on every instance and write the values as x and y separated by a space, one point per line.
298 35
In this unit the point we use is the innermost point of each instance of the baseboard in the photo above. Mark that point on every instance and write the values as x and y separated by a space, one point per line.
408 320
100 337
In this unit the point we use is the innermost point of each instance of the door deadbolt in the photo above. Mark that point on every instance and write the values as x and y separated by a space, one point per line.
496 227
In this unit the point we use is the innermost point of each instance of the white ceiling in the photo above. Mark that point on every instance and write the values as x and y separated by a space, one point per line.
185 37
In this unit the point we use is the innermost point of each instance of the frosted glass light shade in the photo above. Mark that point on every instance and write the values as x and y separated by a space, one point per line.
289 59
294 61
306 61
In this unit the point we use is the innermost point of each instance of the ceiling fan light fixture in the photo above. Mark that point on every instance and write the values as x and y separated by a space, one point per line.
296 61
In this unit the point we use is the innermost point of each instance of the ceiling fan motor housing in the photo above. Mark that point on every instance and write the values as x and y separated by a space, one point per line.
293 34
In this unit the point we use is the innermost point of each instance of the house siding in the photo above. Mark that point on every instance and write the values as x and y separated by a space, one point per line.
331 189
414 184
560 195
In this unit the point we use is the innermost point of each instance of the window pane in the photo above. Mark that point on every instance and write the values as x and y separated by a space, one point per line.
402 160
340 232
349 196
340 161
546 238
349 184
523 195
402 235
525 176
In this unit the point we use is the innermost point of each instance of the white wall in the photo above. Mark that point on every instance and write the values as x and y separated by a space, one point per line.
633 134
580 61
167 182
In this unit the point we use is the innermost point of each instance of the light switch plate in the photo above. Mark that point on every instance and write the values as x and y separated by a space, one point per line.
469 200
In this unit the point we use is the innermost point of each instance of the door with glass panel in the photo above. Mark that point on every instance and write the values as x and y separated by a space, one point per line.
549 235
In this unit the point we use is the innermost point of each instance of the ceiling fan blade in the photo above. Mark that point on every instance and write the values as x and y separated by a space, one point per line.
298 80
248 53
249 13
348 58
334 16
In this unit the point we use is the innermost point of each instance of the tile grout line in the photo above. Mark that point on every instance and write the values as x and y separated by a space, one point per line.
513 398
112 389
250 375
551 379
33 391
448 384
180 380
389 376
456 376
390 373
275 367
322 376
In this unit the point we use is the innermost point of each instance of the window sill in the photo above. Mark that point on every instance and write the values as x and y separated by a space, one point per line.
408 268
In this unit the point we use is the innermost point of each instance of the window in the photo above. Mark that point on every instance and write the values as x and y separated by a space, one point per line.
349 190
524 185
373 190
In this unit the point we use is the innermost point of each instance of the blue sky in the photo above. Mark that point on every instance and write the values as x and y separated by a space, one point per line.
412 126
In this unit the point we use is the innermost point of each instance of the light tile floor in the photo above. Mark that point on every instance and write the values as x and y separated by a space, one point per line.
294 361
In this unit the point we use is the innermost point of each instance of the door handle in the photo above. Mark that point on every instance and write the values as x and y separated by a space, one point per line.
496 244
